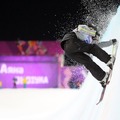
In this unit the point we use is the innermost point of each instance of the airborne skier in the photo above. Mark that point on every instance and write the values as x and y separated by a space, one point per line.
79 44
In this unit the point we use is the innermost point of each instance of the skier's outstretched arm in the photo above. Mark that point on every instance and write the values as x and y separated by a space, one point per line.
106 43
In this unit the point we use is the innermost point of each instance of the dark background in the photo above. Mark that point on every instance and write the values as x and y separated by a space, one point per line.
48 20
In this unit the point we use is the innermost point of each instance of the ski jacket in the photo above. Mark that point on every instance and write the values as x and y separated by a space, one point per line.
85 33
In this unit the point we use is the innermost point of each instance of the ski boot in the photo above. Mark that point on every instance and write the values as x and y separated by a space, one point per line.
110 63
105 81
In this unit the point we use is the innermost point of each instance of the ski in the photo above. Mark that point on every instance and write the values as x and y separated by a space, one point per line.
114 51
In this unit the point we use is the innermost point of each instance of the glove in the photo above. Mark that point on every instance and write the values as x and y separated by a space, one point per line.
97 33
114 41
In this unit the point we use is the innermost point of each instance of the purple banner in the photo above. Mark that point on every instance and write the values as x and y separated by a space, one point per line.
30 47
30 72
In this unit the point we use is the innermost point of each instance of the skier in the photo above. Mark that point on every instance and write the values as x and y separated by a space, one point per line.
80 43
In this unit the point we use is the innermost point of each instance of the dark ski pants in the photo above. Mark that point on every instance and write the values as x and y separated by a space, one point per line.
77 49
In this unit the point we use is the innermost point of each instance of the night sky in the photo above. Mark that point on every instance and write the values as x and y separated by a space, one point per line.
50 20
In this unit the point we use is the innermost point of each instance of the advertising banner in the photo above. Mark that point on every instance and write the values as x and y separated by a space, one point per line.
28 72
